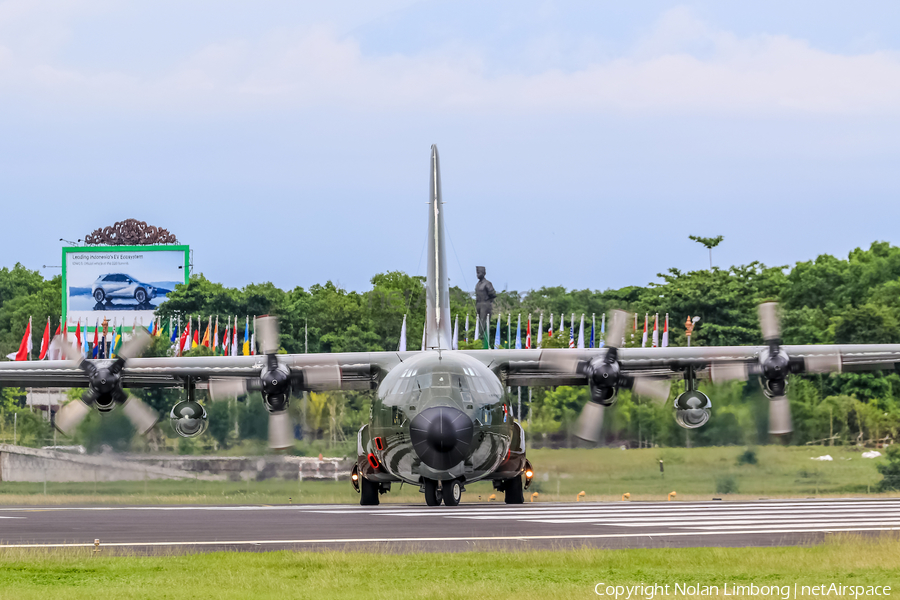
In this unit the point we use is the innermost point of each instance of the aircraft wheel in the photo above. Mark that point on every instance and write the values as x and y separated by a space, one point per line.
451 492
432 494
99 294
368 493
514 492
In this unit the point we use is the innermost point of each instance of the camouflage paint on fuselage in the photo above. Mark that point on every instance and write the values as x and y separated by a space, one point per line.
440 378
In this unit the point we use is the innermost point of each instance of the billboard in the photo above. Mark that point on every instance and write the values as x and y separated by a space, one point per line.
124 284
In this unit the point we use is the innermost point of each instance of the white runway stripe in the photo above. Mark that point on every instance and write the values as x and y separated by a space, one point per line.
666 534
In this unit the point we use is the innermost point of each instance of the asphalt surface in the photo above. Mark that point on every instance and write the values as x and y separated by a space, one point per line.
401 528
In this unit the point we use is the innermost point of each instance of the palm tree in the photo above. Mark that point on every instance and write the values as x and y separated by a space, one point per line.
710 243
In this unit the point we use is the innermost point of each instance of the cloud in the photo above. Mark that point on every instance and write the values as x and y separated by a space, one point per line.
681 65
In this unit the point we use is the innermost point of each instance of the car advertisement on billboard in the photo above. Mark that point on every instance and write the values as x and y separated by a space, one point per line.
124 284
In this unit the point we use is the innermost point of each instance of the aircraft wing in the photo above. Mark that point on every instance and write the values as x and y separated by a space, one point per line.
358 370
558 366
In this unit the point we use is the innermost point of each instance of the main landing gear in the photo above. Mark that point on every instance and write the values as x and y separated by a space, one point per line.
513 491
448 492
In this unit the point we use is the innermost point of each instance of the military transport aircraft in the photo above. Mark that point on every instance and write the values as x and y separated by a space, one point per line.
440 418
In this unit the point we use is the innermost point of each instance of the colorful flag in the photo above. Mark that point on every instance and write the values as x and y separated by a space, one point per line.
562 324
78 340
401 347
593 324
656 331
24 347
644 337
550 332
226 340
467 329
519 333
215 339
540 330
195 339
603 331
477 328
455 345
207 333
253 339
117 342
95 351
486 334
45 341
234 342
528 334
508 330
665 339
246 348
497 343
572 331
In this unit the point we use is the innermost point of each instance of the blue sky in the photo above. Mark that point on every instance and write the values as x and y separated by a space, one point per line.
581 142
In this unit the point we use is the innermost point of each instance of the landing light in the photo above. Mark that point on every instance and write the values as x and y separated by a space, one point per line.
354 477
529 474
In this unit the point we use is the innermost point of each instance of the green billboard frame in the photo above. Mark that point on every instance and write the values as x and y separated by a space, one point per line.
96 249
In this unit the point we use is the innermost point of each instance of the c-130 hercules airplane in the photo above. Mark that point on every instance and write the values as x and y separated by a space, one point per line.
440 419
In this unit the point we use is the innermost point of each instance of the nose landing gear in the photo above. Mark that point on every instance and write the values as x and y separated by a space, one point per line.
448 492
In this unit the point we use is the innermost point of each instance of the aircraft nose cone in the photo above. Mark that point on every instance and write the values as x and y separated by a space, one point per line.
441 436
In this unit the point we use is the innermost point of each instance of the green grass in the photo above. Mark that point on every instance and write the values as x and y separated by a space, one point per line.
68 574
603 474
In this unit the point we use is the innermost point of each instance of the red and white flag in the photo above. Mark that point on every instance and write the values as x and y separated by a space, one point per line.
24 347
45 341
644 337
656 331
528 334
665 338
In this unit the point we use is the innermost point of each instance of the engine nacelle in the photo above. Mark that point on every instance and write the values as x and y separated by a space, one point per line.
189 418
692 409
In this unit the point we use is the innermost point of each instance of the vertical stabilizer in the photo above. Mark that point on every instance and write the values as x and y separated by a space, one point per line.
437 292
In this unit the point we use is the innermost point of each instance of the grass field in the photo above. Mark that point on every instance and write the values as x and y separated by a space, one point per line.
603 474
855 561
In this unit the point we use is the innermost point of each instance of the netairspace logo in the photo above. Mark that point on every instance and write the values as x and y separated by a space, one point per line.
786 592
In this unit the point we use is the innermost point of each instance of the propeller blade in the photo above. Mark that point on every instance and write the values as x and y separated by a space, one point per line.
134 347
769 321
823 363
651 387
68 350
326 377
590 422
70 416
227 388
267 332
281 430
141 416
559 361
780 416
722 372
617 321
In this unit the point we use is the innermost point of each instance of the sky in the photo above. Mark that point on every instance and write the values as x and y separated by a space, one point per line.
581 143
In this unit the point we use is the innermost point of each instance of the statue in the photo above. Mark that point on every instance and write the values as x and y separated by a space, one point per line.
484 298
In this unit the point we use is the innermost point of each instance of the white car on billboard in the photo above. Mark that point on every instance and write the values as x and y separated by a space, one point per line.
121 285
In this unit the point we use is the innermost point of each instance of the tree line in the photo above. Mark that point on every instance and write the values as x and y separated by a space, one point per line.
827 300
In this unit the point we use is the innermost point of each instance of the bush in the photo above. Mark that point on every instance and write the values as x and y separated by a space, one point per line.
748 457
890 470
726 484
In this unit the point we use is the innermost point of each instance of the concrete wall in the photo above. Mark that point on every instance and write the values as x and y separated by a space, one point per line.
18 463
254 468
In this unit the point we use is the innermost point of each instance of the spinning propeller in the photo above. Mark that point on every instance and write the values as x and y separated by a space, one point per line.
276 382
105 386
605 377
772 367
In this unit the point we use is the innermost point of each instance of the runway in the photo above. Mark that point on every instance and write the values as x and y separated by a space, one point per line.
402 528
